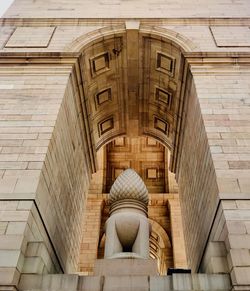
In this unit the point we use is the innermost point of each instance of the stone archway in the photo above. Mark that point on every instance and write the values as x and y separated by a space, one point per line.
159 100
133 81
137 82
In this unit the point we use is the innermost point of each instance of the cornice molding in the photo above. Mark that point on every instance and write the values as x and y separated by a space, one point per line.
115 21
194 58
217 58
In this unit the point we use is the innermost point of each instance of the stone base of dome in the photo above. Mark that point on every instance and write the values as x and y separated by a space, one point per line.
125 267
128 204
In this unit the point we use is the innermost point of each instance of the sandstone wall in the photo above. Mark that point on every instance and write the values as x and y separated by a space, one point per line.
197 181
188 282
224 99
59 36
214 157
123 9
64 180
43 171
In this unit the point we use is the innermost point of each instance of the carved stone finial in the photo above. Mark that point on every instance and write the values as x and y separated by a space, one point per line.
128 185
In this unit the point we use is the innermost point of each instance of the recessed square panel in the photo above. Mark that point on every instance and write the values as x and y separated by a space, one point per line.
120 142
165 63
231 36
163 96
31 37
161 125
102 97
152 173
106 125
99 63
151 142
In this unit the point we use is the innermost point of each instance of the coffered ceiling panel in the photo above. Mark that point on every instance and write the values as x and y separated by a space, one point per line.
104 75
132 87
145 155
160 88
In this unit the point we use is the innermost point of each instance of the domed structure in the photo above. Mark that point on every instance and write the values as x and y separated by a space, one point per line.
128 185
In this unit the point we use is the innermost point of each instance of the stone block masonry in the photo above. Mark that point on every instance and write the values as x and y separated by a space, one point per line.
29 105
24 243
54 71
91 229
175 282
120 9
196 161
224 100
61 191
219 124
36 105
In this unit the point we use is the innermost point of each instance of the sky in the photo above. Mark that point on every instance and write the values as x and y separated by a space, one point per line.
4 5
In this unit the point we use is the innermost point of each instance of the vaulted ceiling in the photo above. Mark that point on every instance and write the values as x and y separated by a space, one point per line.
132 87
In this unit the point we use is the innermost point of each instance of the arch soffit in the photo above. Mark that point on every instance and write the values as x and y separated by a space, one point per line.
107 49
159 230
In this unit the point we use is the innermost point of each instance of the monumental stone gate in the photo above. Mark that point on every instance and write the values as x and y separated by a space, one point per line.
89 89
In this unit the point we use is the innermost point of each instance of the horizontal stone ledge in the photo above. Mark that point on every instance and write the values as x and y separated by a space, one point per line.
234 196
69 58
17 197
118 21
76 282
24 55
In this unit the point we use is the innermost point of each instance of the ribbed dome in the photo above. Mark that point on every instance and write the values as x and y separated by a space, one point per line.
128 185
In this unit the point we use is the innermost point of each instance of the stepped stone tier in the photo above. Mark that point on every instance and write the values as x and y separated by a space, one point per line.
176 282
127 229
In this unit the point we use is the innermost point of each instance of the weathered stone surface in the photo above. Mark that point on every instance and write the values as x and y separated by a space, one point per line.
133 283
91 283
184 9
179 74
125 267
160 283
215 259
